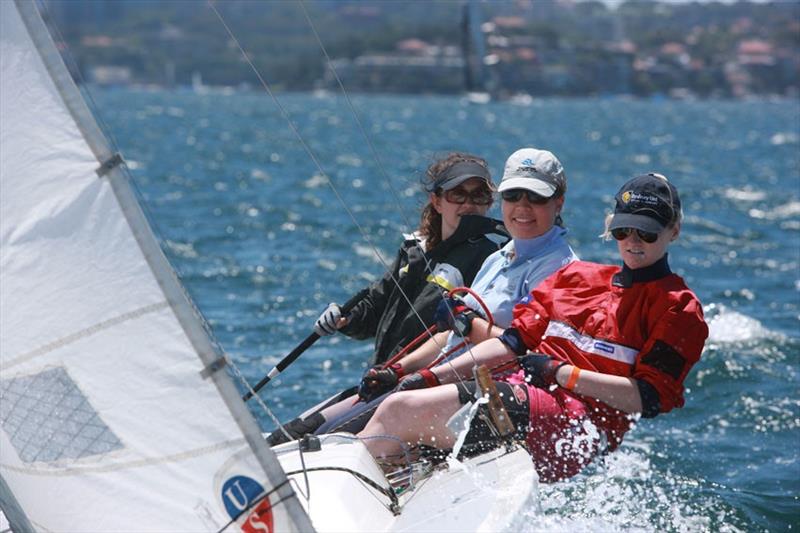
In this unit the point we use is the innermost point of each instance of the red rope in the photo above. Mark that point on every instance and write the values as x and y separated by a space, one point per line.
446 354
489 317
413 344
431 330
462 344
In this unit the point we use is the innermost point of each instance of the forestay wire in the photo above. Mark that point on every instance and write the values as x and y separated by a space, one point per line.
332 186
363 130
311 153
382 169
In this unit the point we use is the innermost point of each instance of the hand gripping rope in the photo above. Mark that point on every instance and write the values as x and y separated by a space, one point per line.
464 342
433 329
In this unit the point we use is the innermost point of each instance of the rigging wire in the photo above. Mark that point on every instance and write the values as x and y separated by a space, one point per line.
357 118
107 132
368 138
386 177
317 163
312 156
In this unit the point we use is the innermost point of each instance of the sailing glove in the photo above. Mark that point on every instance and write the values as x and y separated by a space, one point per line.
453 313
327 323
378 380
296 429
419 380
540 370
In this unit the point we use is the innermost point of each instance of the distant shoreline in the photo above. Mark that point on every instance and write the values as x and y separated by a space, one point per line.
230 90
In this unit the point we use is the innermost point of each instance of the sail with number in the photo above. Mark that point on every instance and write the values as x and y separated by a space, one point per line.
116 411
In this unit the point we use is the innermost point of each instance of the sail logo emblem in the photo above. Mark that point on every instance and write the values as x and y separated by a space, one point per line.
238 494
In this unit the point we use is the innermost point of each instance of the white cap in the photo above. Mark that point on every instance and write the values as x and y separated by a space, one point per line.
534 170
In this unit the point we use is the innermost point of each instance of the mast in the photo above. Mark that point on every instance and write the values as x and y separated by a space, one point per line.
474 47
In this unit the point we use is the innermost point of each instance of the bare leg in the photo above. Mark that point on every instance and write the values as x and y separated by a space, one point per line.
329 402
414 417
340 408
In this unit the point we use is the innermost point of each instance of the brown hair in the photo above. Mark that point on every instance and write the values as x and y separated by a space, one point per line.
430 224
561 190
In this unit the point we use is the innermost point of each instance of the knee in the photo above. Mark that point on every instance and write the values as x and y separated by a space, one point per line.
392 406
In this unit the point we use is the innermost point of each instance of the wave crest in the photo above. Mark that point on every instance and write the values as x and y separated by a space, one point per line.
726 325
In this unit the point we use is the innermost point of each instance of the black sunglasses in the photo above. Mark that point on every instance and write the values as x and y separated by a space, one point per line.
623 233
515 195
460 195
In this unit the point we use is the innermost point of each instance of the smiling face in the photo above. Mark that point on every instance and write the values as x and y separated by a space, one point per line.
636 253
526 220
452 213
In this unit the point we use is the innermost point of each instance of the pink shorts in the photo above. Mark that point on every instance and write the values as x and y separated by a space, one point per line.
561 438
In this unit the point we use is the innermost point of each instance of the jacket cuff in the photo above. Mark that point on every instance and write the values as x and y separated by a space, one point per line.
651 401
430 378
513 340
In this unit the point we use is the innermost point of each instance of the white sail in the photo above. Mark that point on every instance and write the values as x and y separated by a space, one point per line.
109 418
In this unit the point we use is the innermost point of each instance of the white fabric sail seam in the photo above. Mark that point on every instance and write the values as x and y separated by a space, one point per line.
86 332
603 348
138 463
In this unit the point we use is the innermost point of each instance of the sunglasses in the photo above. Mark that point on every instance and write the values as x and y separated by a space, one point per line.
515 195
460 195
623 233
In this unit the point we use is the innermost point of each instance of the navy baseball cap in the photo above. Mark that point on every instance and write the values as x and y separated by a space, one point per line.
648 202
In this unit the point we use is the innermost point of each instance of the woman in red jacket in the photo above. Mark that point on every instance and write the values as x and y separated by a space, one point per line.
611 343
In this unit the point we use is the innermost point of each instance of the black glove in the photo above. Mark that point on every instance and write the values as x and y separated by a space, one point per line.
296 429
453 313
378 380
540 370
419 380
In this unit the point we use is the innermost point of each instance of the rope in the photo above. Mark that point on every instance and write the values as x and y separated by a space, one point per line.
464 341
383 490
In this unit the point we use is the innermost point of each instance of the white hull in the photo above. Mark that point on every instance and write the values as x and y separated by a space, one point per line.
483 496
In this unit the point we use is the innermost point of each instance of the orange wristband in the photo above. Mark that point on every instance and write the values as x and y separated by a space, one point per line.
573 378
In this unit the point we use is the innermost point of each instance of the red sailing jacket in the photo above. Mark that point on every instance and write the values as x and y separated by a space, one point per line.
597 318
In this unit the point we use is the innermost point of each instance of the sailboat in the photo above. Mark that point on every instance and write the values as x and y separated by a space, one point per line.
118 410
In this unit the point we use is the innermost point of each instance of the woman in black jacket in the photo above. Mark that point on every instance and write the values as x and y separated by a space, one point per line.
447 250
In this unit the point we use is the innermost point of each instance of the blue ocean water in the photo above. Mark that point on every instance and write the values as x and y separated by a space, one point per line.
263 243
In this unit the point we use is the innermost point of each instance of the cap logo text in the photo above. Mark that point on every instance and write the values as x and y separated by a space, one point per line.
630 196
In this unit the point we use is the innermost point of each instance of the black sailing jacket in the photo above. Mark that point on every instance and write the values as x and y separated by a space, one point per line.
384 313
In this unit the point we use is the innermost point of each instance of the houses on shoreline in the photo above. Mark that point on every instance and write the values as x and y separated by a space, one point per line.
519 49
517 61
